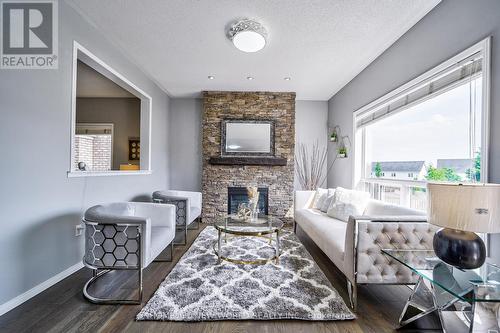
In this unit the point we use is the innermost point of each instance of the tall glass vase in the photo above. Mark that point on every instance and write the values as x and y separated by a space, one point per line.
254 207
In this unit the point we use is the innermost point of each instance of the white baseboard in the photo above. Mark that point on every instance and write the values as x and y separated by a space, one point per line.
18 300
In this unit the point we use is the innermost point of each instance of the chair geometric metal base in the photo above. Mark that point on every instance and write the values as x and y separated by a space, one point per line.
98 273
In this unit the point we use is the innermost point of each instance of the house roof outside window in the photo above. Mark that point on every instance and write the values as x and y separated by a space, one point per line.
400 166
459 165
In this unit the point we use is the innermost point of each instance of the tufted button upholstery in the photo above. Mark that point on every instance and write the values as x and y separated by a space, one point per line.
375 267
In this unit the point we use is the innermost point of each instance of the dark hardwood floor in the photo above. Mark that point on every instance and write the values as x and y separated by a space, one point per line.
62 307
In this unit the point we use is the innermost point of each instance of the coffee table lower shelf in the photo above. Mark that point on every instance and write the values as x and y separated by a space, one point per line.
260 261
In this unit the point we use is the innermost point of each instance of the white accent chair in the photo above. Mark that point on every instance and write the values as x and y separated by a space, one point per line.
126 236
188 208
355 247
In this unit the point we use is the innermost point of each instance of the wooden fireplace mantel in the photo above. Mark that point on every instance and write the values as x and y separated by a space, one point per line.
254 160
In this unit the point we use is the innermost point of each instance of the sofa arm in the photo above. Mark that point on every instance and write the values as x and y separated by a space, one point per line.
367 236
303 199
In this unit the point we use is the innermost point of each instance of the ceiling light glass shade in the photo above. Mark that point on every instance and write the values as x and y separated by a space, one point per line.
249 41
248 36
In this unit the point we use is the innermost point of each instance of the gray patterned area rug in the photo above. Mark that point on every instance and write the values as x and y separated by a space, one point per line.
198 289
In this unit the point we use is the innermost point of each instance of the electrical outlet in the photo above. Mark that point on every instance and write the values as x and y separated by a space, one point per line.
78 230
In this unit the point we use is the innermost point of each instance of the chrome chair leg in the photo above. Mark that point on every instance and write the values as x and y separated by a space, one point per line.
352 290
184 230
171 247
97 300
196 223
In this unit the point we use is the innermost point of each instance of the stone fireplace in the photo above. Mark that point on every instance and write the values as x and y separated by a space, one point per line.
218 178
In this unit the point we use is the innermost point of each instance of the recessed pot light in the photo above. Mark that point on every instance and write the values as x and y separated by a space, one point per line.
250 78
248 35
287 78
211 77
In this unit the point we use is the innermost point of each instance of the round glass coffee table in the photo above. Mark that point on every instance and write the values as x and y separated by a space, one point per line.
265 226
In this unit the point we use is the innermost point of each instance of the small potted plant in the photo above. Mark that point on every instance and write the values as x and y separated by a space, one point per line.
342 152
333 137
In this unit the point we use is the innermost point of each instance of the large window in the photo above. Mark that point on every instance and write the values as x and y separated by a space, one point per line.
432 129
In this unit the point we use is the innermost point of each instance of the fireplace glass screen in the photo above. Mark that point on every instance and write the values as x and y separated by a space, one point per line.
237 195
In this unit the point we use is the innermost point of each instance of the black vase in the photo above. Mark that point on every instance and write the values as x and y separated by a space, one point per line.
462 249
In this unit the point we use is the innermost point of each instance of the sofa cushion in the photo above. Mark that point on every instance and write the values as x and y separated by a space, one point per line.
348 202
326 232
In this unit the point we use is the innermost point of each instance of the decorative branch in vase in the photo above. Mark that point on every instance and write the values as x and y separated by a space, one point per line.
311 165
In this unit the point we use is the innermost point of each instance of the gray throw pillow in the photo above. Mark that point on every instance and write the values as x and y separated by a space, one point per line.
328 201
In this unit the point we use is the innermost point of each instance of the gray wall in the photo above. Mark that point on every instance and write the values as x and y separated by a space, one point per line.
123 113
185 136
40 206
451 27
311 125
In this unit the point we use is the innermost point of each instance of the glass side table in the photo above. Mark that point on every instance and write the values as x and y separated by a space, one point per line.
465 300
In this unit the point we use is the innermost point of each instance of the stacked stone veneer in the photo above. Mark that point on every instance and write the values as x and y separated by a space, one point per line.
279 107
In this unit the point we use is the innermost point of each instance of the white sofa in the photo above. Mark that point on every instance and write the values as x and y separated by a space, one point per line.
355 246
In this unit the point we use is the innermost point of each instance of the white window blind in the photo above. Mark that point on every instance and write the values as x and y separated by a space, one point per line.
454 75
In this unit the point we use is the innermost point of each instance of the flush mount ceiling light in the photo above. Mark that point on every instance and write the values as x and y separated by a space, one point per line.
248 35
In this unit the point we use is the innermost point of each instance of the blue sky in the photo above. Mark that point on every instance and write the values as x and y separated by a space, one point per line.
437 128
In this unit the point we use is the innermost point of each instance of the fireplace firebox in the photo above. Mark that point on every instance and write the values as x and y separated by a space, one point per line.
237 195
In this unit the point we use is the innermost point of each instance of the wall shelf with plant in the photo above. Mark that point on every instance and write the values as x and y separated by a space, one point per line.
342 142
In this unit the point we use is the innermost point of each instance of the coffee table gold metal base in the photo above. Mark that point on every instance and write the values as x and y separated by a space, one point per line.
269 228
260 261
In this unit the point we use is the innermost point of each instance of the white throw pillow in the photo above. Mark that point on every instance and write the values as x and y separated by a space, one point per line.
319 197
348 202
328 201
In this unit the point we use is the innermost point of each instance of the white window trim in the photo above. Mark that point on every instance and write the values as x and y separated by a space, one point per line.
83 54
483 46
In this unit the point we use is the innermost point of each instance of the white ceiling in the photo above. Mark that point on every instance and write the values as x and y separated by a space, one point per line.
320 44
90 83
